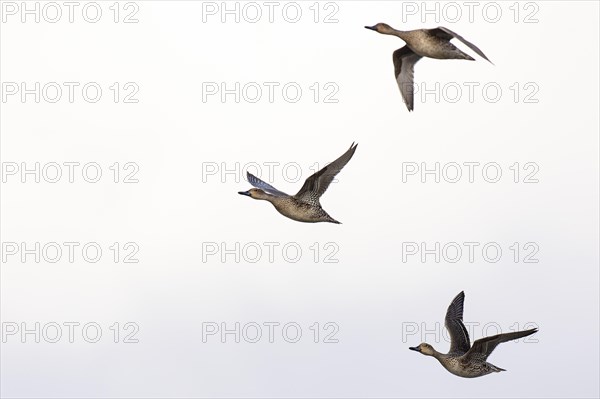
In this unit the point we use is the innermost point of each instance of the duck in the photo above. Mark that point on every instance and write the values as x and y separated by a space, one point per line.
463 359
305 206
430 43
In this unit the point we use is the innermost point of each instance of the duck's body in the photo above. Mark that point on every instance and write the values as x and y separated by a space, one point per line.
305 205
425 44
299 211
458 365
463 359
429 43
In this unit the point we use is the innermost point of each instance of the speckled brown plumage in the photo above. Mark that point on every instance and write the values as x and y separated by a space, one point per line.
431 43
305 205
463 359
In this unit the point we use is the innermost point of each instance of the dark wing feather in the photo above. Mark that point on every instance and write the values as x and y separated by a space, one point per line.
483 347
316 184
447 34
256 182
404 68
459 336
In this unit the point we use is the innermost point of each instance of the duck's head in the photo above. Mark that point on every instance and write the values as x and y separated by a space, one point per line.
423 348
381 28
255 193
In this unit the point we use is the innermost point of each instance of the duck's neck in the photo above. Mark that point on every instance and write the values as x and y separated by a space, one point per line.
437 355
267 197
400 33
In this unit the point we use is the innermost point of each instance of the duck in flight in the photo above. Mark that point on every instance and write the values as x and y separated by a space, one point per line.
305 205
463 359
432 43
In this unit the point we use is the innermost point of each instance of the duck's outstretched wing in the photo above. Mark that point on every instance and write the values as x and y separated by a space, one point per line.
459 336
269 189
483 347
404 71
447 34
316 184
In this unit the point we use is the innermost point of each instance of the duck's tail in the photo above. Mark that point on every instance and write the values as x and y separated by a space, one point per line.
496 369
463 56
329 219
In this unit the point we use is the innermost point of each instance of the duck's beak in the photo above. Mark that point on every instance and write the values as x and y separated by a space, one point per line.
244 193
371 27
414 348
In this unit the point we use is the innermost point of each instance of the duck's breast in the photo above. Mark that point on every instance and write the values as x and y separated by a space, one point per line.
296 210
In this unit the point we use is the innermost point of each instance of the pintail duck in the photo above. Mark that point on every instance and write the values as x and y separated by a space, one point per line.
464 360
305 205
432 43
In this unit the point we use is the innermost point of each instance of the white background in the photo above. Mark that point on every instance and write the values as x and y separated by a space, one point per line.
371 294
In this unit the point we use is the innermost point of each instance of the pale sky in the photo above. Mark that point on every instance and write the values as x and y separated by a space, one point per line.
188 103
